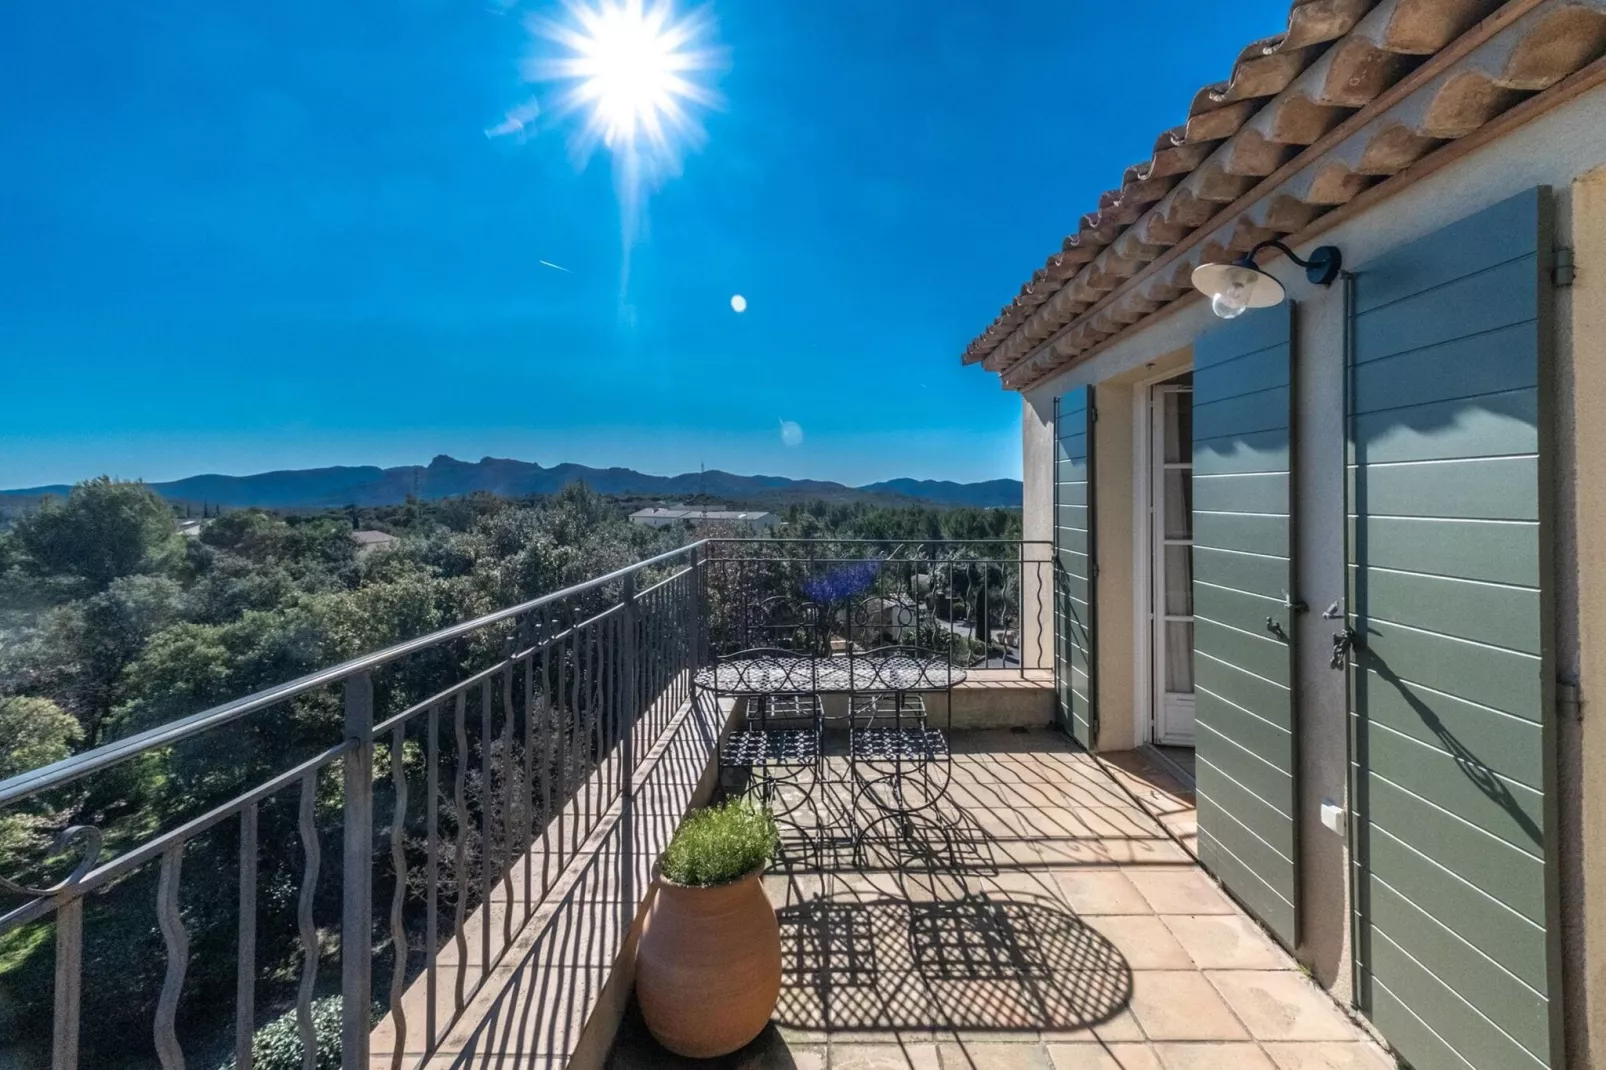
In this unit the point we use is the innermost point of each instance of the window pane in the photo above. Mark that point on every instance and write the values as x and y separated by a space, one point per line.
1177 414
1179 581
1179 657
1178 503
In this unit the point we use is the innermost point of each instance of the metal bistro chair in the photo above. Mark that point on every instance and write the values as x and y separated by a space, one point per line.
900 761
780 749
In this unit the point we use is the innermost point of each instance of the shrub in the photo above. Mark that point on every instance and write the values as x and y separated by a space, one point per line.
720 844
277 1045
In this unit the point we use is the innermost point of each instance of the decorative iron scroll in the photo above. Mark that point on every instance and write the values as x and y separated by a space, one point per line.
90 840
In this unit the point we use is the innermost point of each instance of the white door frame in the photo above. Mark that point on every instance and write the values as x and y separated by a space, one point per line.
1145 669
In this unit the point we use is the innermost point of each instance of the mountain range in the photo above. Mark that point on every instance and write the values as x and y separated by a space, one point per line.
447 477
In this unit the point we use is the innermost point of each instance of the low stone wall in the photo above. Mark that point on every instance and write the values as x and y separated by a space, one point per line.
1004 698
558 985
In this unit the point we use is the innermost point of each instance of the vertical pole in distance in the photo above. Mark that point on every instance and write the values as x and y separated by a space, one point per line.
356 879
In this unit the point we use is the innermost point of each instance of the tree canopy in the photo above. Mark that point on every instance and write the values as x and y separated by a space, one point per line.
113 623
102 530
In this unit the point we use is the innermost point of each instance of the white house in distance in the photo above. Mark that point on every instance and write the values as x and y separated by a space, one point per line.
369 541
658 518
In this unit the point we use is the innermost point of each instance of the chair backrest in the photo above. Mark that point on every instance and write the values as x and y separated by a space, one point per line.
887 710
784 713
901 668
760 671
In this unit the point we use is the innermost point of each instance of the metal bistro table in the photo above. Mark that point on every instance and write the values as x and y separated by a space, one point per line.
898 762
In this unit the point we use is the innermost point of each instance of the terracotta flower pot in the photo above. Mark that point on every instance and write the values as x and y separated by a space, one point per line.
708 967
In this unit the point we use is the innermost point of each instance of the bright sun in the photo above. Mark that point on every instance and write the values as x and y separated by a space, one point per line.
630 65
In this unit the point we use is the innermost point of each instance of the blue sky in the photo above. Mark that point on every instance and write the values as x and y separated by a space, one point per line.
236 237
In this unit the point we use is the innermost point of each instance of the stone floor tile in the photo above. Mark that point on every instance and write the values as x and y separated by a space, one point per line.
1181 891
1001 824
1118 1027
1329 1056
1028 882
1183 823
1055 822
993 1055
1229 1056
1182 1005
789 889
1227 942
1134 1056
1102 1057
1118 821
1143 940
1096 891
994 1036
800 1036
1282 1005
1154 851
895 1056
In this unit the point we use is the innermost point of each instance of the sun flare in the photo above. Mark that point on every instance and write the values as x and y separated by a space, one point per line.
634 74
630 68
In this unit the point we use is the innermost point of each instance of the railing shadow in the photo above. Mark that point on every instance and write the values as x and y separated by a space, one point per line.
918 933
982 962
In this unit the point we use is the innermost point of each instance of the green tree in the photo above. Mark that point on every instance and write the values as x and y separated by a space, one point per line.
34 732
103 530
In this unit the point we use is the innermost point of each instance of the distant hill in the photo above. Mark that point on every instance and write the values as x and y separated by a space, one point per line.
447 477
993 492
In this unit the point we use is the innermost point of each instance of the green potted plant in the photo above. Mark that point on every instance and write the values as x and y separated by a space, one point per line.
708 965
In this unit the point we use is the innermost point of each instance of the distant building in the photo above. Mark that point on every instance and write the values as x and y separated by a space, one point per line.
190 529
369 541
658 518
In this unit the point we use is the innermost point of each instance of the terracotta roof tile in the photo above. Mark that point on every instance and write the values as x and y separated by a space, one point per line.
1283 95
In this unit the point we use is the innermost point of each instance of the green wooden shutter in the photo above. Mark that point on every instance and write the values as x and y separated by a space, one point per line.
1451 685
1243 625
1075 629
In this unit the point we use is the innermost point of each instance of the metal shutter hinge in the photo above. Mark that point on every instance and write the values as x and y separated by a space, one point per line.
1562 271
1569 700
1092 415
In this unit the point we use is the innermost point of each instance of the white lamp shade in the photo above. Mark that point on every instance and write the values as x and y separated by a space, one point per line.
1249 287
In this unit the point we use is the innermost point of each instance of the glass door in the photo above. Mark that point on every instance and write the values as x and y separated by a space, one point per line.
1171 567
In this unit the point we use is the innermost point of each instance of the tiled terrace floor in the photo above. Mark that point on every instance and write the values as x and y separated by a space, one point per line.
1042 921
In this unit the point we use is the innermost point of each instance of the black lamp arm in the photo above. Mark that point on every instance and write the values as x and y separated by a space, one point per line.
1322 267
1273 243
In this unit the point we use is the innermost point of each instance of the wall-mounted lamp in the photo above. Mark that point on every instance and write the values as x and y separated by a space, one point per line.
1237 287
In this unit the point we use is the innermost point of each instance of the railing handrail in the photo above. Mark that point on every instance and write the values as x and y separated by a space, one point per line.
919 542
67 770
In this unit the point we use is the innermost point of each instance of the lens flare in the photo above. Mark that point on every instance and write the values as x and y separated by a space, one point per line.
632 71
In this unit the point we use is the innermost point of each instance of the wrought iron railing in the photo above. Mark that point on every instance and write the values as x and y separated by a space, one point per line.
983 603
463 767
457 771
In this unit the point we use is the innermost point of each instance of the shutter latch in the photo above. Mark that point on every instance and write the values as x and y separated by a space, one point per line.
1561 272
1343 643
1570 699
